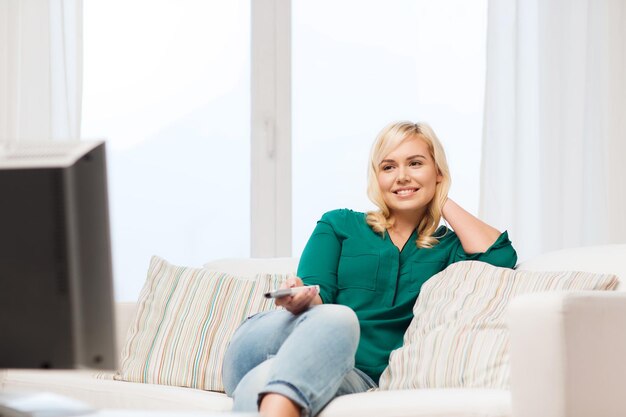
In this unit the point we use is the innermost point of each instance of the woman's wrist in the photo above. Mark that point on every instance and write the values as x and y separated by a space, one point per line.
445 208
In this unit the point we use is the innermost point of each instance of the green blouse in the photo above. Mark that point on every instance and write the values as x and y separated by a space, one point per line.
357 267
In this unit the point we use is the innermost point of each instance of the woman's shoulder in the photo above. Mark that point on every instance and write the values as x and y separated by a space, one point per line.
347 223
345 218
343 214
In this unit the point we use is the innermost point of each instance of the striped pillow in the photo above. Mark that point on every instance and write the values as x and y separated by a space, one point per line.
184 322
458 337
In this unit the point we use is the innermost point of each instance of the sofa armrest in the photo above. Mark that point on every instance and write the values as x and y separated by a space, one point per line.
568 354
124 316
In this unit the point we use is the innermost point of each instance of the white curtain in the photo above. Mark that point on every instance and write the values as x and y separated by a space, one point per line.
554 144
40 70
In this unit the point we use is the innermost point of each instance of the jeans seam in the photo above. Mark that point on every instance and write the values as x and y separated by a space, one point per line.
343 376
292 387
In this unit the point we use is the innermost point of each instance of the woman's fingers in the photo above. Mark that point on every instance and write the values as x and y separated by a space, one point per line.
294 282
290 282
299 302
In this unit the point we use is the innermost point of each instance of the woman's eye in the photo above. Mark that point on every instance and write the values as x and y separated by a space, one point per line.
415 163
387 167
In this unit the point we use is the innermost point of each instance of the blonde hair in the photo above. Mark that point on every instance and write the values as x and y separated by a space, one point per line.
387 140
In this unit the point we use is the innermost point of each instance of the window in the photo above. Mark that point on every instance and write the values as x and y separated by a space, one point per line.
360 64
167 84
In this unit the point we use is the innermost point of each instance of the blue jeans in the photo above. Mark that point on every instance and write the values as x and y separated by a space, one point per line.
308 358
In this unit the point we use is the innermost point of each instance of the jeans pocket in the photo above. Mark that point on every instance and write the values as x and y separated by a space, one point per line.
251 317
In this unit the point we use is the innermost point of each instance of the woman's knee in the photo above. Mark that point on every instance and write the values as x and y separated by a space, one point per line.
339 320
337 313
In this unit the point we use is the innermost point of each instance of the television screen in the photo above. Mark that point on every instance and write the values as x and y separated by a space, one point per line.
56 290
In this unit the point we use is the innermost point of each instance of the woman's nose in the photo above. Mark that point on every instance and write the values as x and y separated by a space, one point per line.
402 175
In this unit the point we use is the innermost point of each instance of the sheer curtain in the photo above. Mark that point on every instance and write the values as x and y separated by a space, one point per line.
554 142
40 70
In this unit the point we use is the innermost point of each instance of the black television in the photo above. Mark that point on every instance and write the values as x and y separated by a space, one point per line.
56 289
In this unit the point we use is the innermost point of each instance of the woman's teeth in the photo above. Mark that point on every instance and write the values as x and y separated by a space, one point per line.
405 192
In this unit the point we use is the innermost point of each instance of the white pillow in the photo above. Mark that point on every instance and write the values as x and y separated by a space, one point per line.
184 322
458 337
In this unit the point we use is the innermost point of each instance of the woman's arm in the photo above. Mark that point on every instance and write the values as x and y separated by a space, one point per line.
318 266
475 235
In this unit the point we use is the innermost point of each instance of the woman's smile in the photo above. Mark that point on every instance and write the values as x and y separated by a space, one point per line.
406 192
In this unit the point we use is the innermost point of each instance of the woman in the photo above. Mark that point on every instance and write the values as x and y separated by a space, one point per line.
370 268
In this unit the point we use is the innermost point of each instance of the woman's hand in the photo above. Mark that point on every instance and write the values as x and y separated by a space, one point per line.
298 303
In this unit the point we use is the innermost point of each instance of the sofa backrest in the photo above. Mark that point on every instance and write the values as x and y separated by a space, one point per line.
606 259
124 316
603 259
249 267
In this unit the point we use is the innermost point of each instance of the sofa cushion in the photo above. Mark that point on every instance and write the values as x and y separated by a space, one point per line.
109 394
83 385
184 321
422 403
458 337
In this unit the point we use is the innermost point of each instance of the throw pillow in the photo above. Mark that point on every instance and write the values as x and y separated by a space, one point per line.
185 320
458 337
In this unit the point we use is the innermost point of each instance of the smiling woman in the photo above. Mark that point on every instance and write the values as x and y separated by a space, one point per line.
369 268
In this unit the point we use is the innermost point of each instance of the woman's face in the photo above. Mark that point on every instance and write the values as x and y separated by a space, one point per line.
408 177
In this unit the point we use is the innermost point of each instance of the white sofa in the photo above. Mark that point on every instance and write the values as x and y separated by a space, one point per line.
568 358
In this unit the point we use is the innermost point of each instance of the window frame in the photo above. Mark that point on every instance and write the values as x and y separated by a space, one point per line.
270 146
